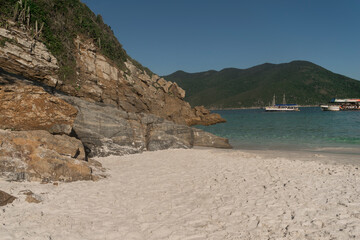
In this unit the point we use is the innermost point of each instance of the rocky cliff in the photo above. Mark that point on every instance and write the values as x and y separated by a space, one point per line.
106 130
99 79
49 136
20 53
37 141
25 106
51 126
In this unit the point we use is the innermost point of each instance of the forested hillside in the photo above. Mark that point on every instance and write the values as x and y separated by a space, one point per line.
303 83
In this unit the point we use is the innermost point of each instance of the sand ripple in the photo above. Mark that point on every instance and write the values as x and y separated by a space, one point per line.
193 194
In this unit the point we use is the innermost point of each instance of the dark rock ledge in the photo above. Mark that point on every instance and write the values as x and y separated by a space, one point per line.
106 130
47 136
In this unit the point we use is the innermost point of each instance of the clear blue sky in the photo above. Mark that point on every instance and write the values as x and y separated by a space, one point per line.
199 35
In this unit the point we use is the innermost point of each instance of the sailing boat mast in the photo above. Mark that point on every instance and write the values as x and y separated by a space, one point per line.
273 102
281 107
284 101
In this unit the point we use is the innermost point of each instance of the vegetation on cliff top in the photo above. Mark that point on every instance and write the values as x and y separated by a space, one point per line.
63 21
303 83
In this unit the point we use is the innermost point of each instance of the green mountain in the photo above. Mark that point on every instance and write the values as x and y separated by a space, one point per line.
303 83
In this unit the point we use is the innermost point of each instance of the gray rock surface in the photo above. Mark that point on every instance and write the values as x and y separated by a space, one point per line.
106 130
205 139
61 129
168 135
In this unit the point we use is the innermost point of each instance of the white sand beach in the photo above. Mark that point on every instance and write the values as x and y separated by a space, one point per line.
193 194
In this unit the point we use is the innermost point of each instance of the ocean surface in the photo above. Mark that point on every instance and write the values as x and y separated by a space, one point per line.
310 129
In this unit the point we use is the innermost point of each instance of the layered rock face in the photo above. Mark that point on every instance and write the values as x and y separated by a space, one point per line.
47 135
132 91
33 153
204 117
29 107
41 156
106 130
102 128
99 80
21 54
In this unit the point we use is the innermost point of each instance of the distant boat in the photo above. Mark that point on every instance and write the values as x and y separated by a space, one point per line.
333 108
348 104
282 107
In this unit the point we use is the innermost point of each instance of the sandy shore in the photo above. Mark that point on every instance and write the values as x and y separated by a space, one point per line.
193 194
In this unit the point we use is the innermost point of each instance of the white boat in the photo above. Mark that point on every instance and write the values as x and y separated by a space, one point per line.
349 104
334 108
282 107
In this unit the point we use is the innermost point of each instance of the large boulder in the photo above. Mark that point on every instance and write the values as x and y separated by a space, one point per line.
106 130
40 156
166 135
205 139
24 106
204 117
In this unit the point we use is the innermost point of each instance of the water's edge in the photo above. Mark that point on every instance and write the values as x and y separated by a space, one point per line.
310 130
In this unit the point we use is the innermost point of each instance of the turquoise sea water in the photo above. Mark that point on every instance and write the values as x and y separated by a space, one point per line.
309 129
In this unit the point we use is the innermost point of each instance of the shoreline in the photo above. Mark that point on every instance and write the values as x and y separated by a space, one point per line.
199 193
245 108
326 155
340 153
